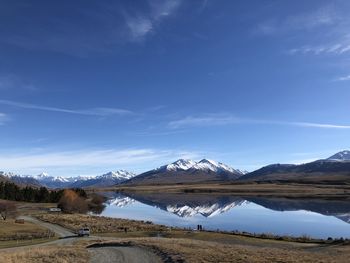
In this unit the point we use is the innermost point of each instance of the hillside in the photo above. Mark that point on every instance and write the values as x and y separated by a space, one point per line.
335 169
187 171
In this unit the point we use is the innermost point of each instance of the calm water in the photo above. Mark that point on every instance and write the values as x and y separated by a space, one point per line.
313 217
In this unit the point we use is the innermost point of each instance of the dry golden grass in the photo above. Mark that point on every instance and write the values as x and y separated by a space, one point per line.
65 254
99 224
25 208
9 230
205 251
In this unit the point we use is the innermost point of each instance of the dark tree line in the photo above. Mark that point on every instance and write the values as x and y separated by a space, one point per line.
11 191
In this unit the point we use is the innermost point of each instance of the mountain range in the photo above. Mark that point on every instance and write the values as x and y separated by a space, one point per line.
335 169
213 205
188 171
43 179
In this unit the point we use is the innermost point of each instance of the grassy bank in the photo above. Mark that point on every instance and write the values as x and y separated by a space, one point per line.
67 254
189 250
246 189
100 224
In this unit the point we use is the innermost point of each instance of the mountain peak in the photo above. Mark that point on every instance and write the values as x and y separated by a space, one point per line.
181 164
207 164
120 174
341 156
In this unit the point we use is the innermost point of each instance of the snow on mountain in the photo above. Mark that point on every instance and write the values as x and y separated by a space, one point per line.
340 156
206 211
8 175
121 201
179 165
210 165
204 165
108 179
121 175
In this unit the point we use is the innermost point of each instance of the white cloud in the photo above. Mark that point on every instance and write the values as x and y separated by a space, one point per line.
209 120
336 48
87 158
11 81
344 78
93 111
226 119
101 27
323 16
317 125
141 25
3 118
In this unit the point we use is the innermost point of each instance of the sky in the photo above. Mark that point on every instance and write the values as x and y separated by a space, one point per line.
92 86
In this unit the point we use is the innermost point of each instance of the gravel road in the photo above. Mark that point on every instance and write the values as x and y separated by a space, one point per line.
99 254
60 231
122 255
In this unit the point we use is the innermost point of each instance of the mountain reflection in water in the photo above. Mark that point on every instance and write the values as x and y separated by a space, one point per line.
277 215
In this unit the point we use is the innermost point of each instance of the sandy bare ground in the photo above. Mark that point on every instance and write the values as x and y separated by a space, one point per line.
122 255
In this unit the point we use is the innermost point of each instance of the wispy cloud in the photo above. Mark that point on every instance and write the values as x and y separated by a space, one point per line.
141 25
325 29
343 46
89 158
227 119
344 78
12 81
92 112
3 118
208 120
98 27
316 125
323 16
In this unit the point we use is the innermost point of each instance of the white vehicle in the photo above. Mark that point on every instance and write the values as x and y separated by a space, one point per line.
84 232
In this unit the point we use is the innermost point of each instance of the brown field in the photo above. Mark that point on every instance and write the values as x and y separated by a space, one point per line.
100 224
67 254
9 230
187 250
177 245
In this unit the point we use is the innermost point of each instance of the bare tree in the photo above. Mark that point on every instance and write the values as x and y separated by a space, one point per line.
7 209
71 202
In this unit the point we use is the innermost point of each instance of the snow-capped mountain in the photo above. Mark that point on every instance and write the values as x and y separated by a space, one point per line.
217 167
179 165
121 201
204 210
340 156
44 179
21 179
187 171
120 175
203 165
108 179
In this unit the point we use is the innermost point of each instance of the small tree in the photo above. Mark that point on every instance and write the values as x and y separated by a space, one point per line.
7 209
71 202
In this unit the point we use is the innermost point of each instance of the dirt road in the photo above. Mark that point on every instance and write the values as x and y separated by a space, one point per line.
60 231
122 254
98 255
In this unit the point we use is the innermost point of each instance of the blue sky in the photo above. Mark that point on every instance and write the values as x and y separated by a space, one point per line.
92 86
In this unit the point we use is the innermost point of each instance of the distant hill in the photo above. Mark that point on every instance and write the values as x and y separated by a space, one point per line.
44 179
188 171
19 180
3 179
105 180
333 169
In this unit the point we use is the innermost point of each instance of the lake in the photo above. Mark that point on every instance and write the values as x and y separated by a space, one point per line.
316 218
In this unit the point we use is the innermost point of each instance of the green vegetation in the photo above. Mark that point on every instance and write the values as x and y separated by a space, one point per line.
11 191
